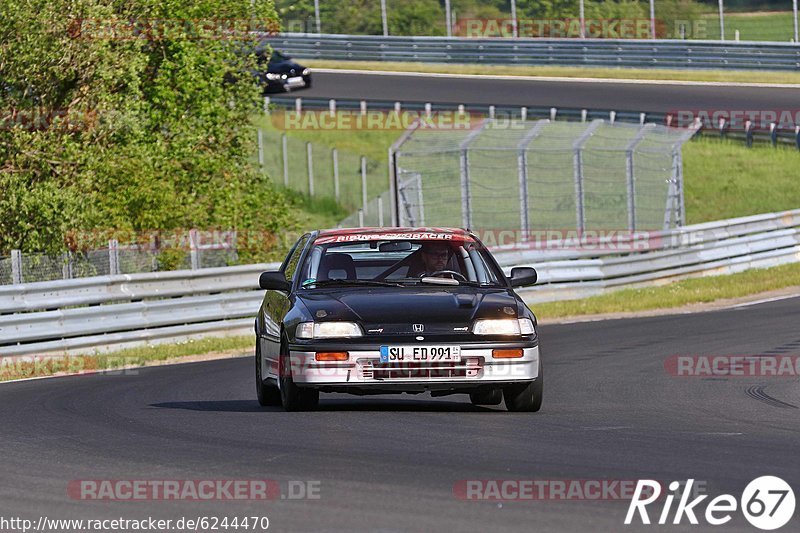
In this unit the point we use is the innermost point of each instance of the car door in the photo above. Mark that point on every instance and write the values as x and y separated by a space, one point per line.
274 308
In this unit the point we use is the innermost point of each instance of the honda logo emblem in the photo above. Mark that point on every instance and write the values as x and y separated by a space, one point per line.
418 328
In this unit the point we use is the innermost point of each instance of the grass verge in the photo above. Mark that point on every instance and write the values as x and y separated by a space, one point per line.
35 366
681 293
728 76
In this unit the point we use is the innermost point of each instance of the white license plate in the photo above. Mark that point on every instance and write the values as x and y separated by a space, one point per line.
400 354
297 80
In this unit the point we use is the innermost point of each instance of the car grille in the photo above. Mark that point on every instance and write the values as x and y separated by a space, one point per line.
469 367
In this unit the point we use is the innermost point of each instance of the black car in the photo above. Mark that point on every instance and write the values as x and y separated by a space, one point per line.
390 310
281 73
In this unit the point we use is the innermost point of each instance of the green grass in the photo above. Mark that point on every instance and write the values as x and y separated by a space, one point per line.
756 26
680 293
23 367
729 76
724 179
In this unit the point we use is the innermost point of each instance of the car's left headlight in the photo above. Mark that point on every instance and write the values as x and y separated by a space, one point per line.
328 330
503 326
306 72
273 76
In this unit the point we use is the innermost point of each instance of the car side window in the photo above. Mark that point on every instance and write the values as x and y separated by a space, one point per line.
290 267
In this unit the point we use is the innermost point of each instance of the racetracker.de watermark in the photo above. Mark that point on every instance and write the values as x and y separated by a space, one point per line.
374 120
571 28
37 366
192 489
507 490
172 29
43 118
735 119
733 366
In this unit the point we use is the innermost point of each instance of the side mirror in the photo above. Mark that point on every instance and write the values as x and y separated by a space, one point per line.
274 281
523 276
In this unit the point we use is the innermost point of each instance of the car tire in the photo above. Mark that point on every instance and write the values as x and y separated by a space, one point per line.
487 397
268 394
526 396
294 398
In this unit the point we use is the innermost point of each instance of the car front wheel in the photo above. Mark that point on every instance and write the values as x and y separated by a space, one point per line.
526 396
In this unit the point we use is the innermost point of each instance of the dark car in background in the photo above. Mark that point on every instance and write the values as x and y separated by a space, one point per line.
396 310
277 72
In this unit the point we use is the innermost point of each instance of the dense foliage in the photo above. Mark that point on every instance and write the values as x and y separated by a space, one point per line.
102 130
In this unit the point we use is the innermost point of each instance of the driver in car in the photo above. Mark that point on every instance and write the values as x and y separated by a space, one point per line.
432 257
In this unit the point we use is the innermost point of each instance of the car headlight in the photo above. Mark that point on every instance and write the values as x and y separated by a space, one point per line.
328 330
503 326
306 72
272 76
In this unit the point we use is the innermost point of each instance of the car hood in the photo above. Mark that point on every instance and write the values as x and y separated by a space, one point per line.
391 310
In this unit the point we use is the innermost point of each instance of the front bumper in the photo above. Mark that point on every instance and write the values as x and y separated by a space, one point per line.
363 370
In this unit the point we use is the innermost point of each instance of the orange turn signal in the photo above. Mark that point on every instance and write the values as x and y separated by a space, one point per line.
506 354
331 356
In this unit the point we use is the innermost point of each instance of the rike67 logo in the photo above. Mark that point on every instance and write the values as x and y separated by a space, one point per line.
767 503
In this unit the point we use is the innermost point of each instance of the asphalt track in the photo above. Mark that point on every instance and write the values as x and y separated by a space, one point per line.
611 411
661 97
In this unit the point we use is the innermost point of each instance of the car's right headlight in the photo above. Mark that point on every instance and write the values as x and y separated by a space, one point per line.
328 330
503 326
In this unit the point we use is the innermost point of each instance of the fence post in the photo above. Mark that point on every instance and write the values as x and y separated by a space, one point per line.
66 266
261 149
363 184
448 16
310 153
285 144
577 168
335 155
630 173
113 258
194 248
522 170
384 19
466 195
16 267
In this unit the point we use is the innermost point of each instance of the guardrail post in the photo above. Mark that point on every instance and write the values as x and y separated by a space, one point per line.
748 133
773 134
16 267
428 110
332 107
523 113
363 107
722 128
298 105
363 184
360 218
194 248
398 107
797 136
380 211
285 149
553 112
584 113
335 157
113 258
261 149
492 111
266 105
310 154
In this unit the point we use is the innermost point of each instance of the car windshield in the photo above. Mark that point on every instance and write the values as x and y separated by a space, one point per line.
392 260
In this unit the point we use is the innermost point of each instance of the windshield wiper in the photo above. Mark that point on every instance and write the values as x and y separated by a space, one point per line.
331 282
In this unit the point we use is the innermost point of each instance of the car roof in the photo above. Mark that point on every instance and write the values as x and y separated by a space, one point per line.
392 233
393 230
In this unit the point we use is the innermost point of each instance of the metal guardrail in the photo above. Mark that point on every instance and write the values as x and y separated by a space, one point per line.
552 52
735 130
78 315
